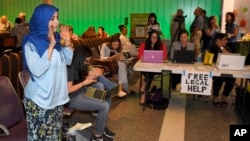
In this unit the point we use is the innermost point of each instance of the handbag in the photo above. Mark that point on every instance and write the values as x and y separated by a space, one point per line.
110 66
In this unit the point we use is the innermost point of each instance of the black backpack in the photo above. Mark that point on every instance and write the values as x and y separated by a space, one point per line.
156 100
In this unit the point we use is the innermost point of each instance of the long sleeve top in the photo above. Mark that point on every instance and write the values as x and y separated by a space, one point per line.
47 86
105 52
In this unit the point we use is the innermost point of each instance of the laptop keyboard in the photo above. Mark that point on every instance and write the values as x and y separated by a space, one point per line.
98 94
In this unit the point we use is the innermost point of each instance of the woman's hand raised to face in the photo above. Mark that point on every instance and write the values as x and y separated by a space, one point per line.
51 36
65 34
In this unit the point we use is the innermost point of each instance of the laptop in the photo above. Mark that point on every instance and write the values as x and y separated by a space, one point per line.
230 61
184 56
152 56
99 94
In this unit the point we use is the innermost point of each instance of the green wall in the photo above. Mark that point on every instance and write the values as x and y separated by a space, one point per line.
110 13
11 8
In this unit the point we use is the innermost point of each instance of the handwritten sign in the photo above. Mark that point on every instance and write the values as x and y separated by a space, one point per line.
196 82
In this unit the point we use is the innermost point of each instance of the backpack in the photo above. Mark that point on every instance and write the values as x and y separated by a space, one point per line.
156 100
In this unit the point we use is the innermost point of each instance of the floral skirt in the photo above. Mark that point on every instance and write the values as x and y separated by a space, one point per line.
43 124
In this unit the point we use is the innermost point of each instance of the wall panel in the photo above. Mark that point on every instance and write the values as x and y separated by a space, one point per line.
110 13
11 8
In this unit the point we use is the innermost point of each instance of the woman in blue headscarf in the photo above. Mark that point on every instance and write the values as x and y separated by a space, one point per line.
46 60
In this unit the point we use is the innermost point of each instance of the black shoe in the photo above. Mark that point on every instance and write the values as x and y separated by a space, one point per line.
154 88
224 104
218 104
141 104
108 133
131 92
97 138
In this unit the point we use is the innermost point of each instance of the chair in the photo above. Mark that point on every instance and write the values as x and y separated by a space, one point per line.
5 65
12 118
9 44
14 69
24 77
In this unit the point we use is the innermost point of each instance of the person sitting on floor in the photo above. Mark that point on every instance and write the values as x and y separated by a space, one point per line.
153 42
79 78
219 46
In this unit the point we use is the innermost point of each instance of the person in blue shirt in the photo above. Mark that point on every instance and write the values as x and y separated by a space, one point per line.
46 91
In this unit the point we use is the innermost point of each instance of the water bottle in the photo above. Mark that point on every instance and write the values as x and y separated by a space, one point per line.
198 59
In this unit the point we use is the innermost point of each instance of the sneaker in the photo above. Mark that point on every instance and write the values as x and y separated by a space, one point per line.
122 94
97 138
108 133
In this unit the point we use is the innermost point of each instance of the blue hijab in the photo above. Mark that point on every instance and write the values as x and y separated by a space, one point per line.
39 28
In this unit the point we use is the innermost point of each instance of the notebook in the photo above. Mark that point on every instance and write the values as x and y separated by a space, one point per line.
152 56
184 56
230 61
100 94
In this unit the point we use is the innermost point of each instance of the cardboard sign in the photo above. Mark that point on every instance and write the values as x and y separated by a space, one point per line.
196 82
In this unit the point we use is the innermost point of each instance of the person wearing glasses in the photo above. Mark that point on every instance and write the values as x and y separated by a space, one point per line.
153 42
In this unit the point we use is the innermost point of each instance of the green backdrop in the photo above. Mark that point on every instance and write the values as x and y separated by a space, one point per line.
110 13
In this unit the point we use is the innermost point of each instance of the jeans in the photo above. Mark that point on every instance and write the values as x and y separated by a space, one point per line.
81 102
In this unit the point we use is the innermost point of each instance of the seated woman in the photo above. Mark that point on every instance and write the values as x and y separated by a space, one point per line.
79 78
101 33
219 46
153 42
112 51
181 44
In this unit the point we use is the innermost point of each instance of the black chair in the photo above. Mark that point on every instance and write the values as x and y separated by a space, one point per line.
9 44
14 69
12 119
5 65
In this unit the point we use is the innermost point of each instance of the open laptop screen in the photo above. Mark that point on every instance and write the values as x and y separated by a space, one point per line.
184 56
152 56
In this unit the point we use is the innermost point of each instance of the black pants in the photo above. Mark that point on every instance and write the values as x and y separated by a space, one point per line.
175 79
218 81
233 46
149 76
